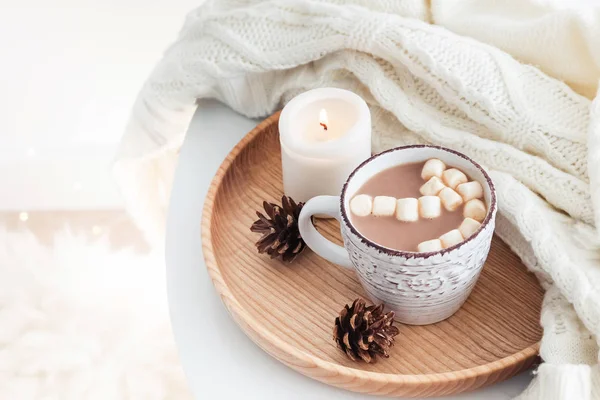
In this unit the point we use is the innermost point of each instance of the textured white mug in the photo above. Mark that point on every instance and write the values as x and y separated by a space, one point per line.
421 288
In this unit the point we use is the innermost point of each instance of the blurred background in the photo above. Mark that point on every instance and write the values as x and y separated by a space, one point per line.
73 266
70 73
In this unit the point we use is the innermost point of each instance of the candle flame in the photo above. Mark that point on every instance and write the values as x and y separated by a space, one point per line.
323 121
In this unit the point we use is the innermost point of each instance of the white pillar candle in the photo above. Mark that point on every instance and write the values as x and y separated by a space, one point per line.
324 134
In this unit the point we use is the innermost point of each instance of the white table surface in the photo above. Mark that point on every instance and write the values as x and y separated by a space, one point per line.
220 362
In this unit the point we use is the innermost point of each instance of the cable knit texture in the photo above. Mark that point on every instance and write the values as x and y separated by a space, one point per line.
564 42
539 139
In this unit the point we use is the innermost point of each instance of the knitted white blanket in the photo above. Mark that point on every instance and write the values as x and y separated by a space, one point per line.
539 139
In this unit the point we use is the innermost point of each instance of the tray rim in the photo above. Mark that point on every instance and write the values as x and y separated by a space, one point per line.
519 360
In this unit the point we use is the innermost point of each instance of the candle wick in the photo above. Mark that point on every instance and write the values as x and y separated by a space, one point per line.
323 125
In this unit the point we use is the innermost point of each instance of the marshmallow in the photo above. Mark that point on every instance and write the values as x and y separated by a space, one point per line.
470 190
433 167
468 227
430 207
475 209
453 177
450 199
432 187
451 238
384 206
407 209
361 205
429 246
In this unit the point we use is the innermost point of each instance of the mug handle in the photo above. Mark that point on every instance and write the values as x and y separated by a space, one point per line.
329 205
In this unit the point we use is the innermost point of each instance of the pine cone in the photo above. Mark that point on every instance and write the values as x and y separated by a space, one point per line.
280 234
364 332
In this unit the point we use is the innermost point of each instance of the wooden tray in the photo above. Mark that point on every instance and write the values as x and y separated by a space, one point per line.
289 309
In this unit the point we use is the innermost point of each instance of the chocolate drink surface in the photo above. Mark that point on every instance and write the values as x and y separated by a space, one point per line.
399 182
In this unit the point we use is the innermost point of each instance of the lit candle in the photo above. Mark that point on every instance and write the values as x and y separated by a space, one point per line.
324 133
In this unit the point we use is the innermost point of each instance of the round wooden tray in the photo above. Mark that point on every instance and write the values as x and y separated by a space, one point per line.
289 309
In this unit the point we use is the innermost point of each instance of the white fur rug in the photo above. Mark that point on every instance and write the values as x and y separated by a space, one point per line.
81 321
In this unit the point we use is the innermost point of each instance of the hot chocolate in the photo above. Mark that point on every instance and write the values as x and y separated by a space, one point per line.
421 207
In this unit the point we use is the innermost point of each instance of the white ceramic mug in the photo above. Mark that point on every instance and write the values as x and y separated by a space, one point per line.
421 288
